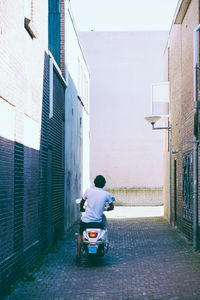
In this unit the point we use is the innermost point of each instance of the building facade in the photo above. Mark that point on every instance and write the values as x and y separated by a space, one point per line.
39 142
184 181
123 146
77 112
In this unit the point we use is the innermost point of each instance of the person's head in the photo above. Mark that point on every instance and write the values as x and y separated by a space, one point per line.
99 181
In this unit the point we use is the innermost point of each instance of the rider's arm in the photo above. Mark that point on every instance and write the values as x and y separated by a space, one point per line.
82 209
110 207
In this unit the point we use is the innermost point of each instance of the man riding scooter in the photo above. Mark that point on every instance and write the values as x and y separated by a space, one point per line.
96 200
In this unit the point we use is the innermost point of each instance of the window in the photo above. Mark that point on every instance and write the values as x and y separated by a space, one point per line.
160 94
28 18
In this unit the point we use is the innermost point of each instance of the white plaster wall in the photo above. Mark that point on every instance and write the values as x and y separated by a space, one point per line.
86 152
123 65
75 61
73 51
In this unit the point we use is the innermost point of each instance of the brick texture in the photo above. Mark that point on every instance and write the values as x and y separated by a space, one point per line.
180 74
32 161
56 144
62 36
151 262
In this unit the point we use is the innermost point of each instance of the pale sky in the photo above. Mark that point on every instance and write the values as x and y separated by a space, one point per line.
123 15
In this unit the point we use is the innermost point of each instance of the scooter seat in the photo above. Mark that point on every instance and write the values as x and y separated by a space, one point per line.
95 225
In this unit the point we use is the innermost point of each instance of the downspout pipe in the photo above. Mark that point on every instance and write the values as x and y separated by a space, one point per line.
195 142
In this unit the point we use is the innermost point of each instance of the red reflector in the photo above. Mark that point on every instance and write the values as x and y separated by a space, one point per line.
92 234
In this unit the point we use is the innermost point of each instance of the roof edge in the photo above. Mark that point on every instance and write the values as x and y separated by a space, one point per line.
181 10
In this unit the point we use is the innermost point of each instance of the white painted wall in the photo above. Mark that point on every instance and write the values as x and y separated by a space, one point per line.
123 65
76 67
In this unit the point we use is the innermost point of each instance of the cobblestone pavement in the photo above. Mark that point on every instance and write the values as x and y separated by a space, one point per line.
147 259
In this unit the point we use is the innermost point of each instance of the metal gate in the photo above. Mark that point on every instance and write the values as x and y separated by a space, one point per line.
187 186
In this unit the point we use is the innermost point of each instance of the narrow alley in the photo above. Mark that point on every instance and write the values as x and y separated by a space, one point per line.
147 259
100 94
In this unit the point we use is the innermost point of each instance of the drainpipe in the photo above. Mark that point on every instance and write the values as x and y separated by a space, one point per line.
195 142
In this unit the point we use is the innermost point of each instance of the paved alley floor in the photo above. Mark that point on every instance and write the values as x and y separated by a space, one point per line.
147 259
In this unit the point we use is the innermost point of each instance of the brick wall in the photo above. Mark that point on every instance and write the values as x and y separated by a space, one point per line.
31 144
181 106
33 209
56 145
52 160
6 197
62 36
22 63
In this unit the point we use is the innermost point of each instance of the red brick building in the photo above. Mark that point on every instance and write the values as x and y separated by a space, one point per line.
179 55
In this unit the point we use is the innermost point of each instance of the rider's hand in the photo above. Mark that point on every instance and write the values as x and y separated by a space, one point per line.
110 207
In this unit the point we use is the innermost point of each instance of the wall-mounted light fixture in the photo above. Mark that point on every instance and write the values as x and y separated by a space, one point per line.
153 119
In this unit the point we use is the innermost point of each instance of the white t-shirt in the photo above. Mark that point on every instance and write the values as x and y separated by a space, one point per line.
96 201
